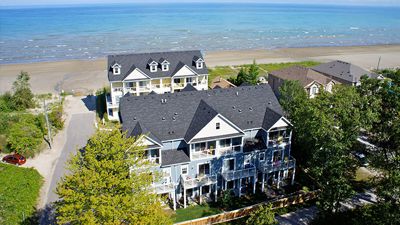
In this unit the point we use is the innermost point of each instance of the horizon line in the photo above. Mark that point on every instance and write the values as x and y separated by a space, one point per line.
59 5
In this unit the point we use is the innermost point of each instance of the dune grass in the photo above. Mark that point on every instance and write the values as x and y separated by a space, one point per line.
19 192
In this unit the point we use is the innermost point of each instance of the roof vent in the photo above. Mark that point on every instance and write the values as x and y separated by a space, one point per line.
233 107
173 118
134 118
251 109
163 118
237 93
240 111
269 103
176 114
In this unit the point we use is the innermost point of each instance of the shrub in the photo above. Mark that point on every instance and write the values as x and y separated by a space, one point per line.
25 138
56 116
262 216
6 104
23 96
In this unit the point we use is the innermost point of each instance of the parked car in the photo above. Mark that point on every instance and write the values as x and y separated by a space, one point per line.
15 159
361 158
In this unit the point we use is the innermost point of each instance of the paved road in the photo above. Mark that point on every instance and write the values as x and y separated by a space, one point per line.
79 130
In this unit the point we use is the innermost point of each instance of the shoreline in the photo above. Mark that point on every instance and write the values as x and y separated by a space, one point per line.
87 75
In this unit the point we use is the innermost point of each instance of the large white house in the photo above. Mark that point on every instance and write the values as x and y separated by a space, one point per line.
159 72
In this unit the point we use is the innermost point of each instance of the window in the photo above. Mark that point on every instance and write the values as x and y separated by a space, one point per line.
229 164
184 170
261 156
225 143
314 90
199 65
165 67
189 80
204 169
217 126
205 189
110 112
153 68
199 147
117 71
142 83
177 81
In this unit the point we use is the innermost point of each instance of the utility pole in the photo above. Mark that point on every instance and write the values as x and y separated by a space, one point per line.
379 62
47 122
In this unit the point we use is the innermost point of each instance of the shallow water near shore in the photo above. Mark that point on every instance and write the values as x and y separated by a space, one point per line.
89 32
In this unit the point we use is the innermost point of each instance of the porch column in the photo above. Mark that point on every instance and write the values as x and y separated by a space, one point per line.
174 199
137 88
279 179
200 194
267 179
172 85
197 82
226 185
240 187
161 86
262 182
184 198
254 184
294 172
215 192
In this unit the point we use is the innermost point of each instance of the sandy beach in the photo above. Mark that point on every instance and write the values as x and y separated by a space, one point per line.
85 76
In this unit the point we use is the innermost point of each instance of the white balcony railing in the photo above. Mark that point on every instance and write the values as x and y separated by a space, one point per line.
200 180
130 89
229 150
160 188
278 142
203 154
179 85
156 86
239 174
144 88
269 167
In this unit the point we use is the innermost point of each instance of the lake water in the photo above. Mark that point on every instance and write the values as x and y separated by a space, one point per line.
89 32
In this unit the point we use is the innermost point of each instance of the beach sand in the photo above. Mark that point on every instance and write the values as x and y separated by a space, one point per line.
86 76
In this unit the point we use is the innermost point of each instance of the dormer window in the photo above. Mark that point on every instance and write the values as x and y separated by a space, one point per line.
199 63
116 69
165 65
153 66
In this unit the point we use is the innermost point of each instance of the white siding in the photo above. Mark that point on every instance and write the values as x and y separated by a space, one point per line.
136 75
210 130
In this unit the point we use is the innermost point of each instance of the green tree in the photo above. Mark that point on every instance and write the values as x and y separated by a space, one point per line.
253 73
102 190
384 98
264 215
25 137
241 77
292 96
23 96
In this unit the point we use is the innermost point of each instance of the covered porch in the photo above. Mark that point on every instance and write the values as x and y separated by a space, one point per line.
199 186
239 179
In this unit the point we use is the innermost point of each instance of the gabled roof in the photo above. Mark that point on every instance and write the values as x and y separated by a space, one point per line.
343 70
174 156
179 115
304 75
203 115
140 130
141 61
189 87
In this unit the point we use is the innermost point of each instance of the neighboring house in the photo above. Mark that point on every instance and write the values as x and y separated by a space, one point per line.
161 72
203 142
220 82
344 72
311 80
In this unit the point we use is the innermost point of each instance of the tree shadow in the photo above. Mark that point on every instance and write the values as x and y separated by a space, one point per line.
90 102
45 216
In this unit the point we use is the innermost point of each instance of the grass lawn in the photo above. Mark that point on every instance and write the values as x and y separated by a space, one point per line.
19 192
194 212
228 71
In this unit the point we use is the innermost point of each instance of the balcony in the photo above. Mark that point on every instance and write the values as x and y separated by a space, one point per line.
254 144
144 88
130 89
229 150
279 142
239 174
207 153
179 85
269 167
200 180
154 160
163 188
117 89
156 86
110 103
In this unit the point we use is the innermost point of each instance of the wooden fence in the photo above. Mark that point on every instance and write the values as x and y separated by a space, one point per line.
239 213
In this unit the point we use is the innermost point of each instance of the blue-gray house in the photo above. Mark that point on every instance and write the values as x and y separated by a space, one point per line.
212 140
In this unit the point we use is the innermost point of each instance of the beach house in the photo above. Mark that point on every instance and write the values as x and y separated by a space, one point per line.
312 81
344 72
203 142
159 72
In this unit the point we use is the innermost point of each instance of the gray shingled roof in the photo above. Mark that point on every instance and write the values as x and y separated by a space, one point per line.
303 74
189 87
183 113
175 156
177 60
343 70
